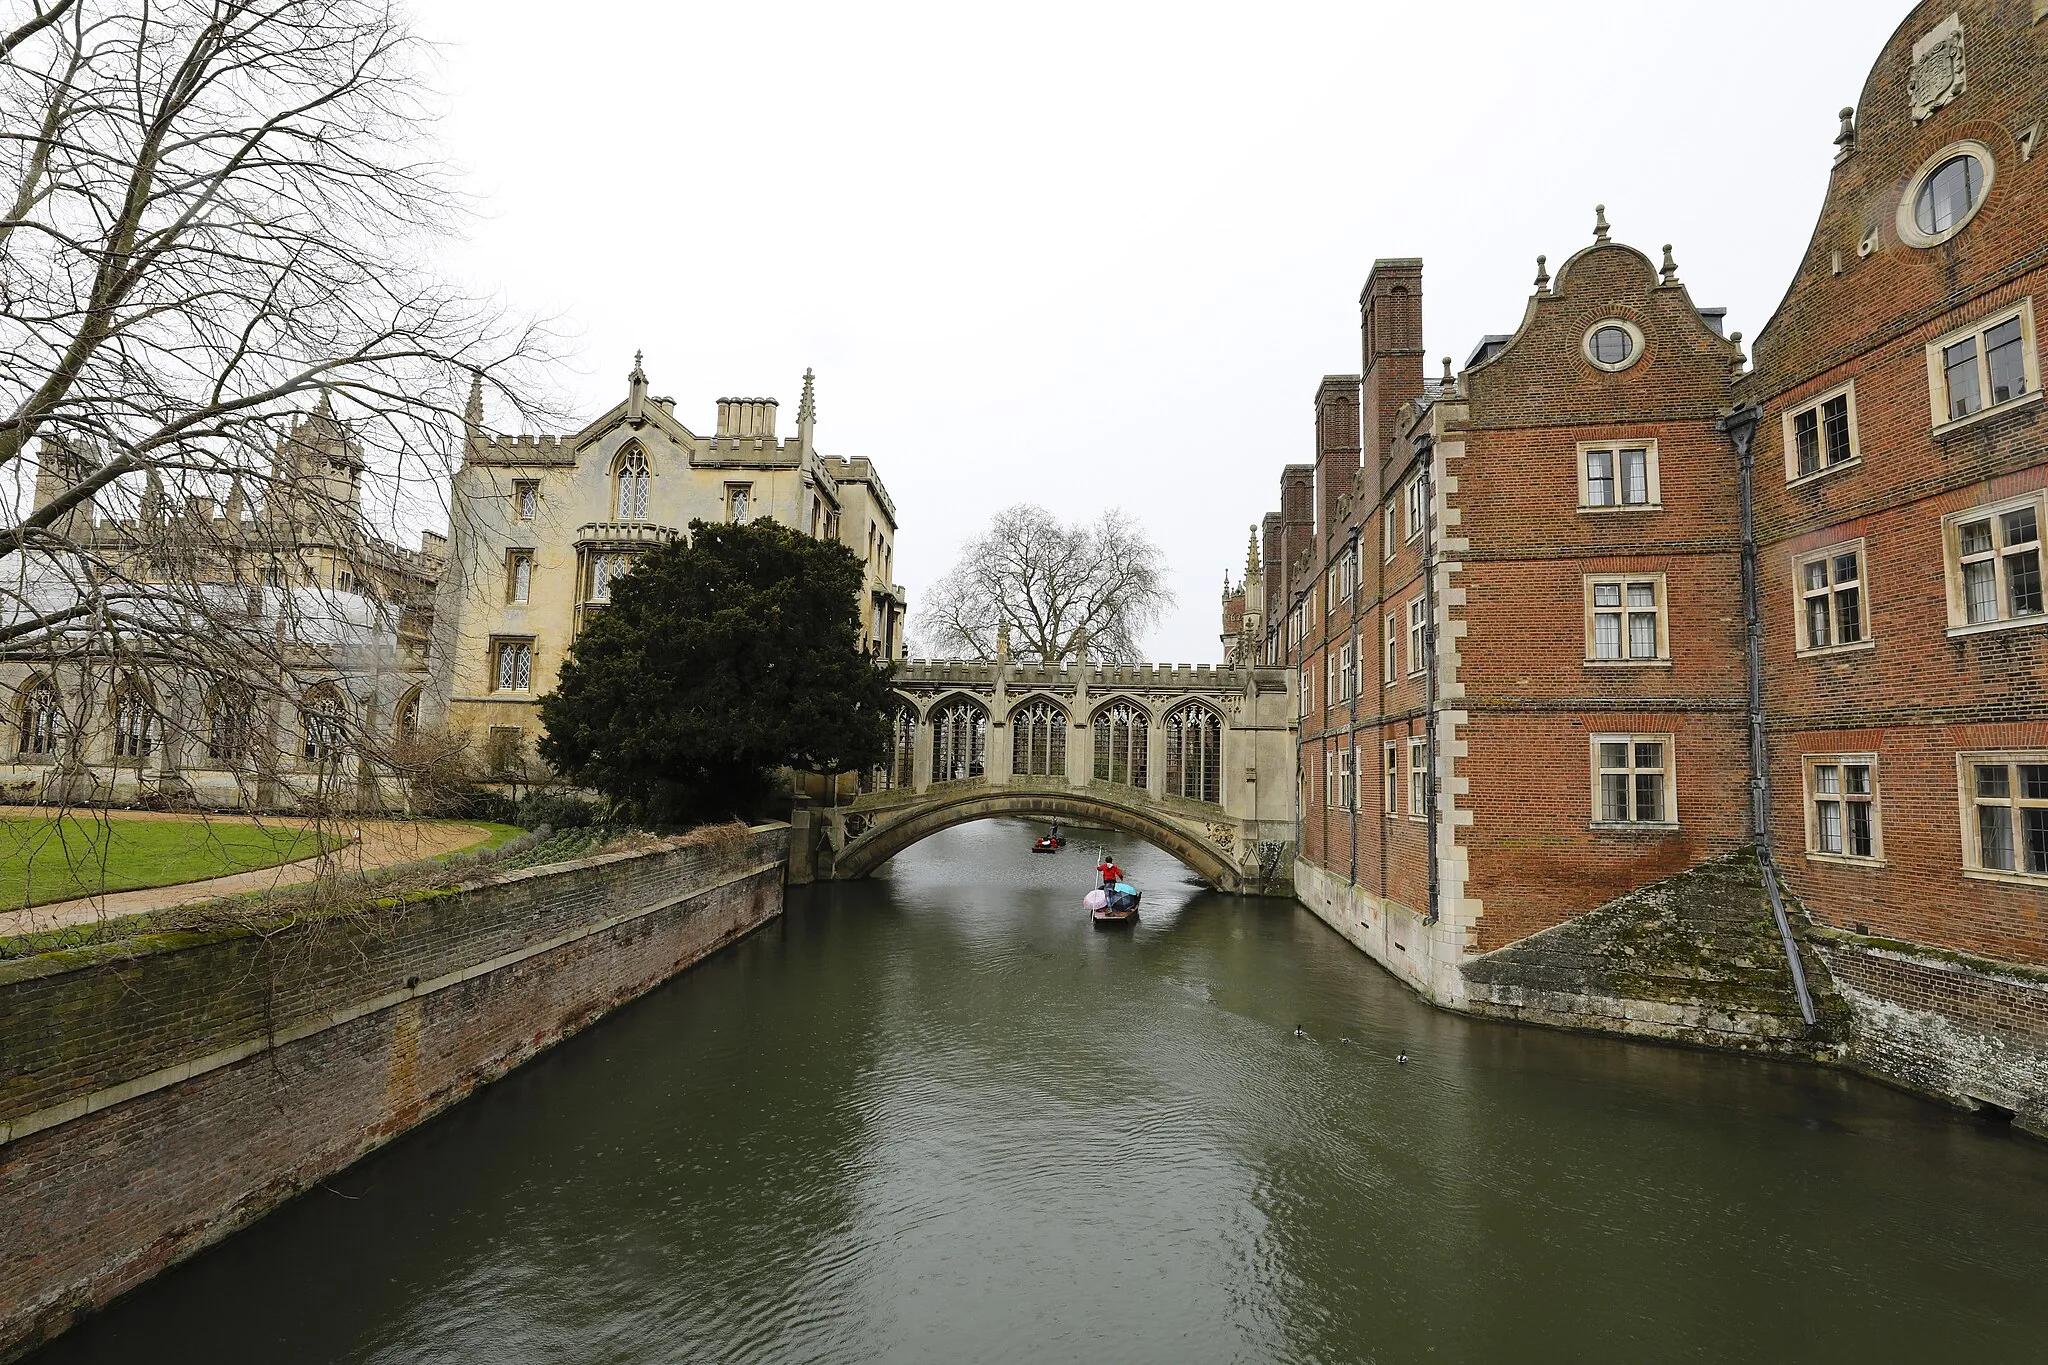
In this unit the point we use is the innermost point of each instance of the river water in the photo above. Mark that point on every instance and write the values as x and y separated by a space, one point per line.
937 1117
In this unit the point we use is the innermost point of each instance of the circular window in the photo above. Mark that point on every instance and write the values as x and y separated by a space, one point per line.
1614 345
1946 193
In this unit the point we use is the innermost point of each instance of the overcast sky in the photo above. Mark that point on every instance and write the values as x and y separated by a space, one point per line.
1098 255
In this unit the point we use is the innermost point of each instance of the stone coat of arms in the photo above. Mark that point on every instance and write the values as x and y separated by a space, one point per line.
1938 75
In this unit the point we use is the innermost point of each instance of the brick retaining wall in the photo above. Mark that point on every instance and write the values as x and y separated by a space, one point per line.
154 1103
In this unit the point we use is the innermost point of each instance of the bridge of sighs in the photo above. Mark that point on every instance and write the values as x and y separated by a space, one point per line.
1196 760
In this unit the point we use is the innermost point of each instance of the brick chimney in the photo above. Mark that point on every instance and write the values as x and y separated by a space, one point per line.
1337 448
1390 309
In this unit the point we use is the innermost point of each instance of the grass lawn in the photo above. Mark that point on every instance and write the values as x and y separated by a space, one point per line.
44 859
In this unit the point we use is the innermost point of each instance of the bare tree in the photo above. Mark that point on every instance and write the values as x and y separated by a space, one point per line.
226 351
1058 591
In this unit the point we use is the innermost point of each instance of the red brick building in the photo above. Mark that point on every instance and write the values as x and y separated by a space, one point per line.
1517 599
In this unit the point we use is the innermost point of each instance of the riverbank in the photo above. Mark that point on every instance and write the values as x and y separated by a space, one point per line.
1695 959
157 1094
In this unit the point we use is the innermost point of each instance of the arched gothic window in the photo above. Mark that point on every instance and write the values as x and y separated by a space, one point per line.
1194 753
900 770
134 722
230 713
42 723
321 721
1040 740
959 742
633 478
407 728
1121 733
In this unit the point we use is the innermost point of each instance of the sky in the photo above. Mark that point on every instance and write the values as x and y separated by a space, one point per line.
1099 255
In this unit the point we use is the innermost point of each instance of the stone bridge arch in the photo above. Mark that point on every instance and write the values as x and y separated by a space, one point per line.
872 848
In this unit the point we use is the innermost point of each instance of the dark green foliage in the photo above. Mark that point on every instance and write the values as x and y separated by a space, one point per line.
556 810
718 661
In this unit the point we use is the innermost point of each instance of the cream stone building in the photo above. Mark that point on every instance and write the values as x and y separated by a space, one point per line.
542 526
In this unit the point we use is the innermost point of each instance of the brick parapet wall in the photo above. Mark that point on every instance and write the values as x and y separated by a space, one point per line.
180 1094
1971 1033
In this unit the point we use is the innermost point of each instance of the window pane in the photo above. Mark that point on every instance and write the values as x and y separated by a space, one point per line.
1980 592
1960 363
1993 781
1994 837
2023 582
1949 194
1607 594
1860 842
1613 755
1849 616
1612 345
1642 594
2004 357
1827 778
1845 568
1834 416
1614 797
2034 824
1806 436
1827 826
1600 478
1642 635
1635 476
1818 635
1649 755
1607 635
1858 778
2020 527
1650 797
1816 575
2034 781
1975 537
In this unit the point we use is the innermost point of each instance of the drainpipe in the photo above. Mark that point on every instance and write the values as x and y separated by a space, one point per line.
1426 452
1357 686
1740 427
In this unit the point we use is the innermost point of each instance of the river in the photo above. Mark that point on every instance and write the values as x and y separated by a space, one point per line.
935 1116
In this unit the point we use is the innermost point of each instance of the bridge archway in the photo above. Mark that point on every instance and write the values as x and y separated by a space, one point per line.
863 855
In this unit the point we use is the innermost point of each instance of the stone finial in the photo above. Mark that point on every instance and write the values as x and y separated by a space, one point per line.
1668 272
1846 139
636 392
1002 642
639 375
807 406
1450 379
1543 274
1251 554
473 410
1600 222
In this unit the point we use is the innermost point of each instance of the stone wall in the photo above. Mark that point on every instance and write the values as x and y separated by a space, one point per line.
156 1096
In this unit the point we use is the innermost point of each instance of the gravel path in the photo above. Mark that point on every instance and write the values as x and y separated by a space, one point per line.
383 842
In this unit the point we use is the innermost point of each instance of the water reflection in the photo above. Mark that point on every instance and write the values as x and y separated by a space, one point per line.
938 1117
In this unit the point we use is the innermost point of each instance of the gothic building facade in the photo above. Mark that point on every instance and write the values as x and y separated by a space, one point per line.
543 525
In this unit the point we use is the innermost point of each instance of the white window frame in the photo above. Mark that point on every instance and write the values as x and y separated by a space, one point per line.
1670 771
1651 482
1390 670
1967 763
1937 370
1416 505
1662 607
1788 425
1332 681
1818 792
1390 531
1418 779
1418 634
1390 781
1329 780
1959 622
1802 640
1346 779
1347 670
1308 688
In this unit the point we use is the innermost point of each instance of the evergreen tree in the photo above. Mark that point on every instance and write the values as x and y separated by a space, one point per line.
720 659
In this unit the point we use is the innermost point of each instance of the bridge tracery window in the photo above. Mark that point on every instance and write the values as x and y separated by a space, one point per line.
1039 746
1122 731
959 742
1194 753
135 724
899 770
633 479
42 722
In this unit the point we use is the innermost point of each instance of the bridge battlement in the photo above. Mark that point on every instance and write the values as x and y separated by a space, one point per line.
1194 758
